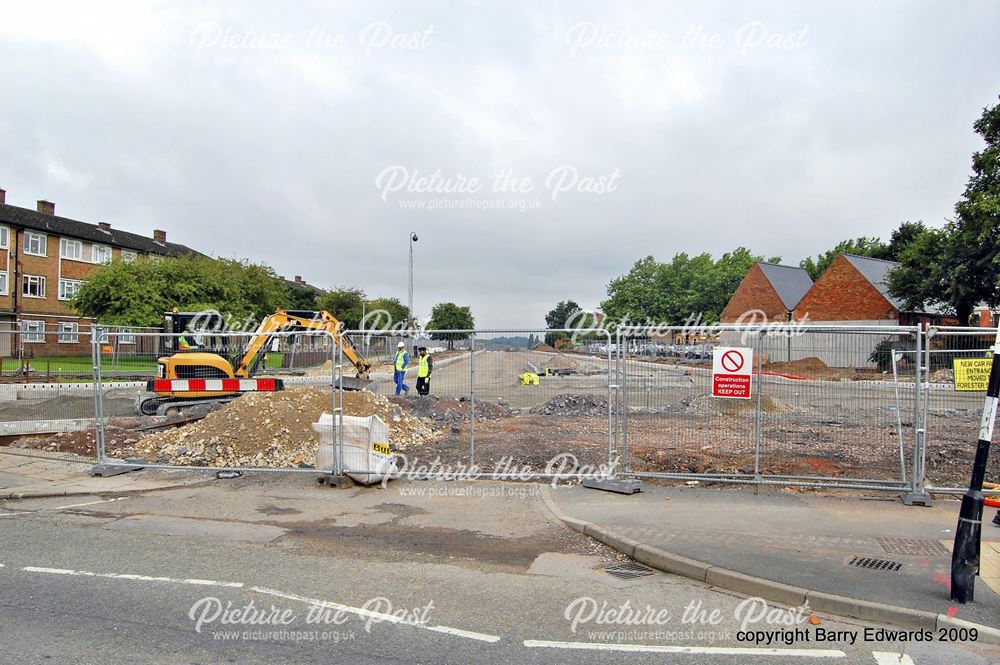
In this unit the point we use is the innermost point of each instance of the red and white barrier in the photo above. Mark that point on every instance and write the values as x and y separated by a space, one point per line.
214 385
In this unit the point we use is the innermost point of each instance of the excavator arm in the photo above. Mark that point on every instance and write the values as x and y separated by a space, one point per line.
282 320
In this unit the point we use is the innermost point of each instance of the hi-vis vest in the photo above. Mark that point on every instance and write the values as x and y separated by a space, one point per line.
423 369
400 361
182 343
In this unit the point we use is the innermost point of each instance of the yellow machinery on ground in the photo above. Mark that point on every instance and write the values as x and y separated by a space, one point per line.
196 377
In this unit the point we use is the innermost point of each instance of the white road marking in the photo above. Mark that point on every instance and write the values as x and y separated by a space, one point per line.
89 503
9 514
483 637
654 648
892 658
123 576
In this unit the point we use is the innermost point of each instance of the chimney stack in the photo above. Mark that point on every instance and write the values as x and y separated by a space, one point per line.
160 236
104 226
3 196
46 207
298 279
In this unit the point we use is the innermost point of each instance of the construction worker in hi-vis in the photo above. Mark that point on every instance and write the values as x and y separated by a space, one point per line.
401 362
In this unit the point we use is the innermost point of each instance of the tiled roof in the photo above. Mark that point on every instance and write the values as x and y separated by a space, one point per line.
789 282
63 226
876 271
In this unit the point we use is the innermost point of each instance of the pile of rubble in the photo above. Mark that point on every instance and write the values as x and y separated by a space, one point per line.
445 409
569 404
271 430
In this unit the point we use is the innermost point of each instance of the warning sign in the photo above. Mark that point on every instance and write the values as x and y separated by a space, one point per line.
732 372
972 374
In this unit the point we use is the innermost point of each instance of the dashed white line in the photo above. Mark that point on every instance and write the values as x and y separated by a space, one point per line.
89 503
359 611
668 648
892 658
125 576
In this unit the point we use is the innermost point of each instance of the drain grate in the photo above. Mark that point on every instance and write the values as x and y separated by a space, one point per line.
872 563
628 570
913 547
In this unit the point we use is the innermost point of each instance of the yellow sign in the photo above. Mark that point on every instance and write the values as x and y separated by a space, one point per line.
383 448
972 374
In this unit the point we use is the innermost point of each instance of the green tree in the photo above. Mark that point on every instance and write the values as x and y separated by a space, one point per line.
863 246
137 293
346 303
383 313
686 288
559 317
959 265
449 316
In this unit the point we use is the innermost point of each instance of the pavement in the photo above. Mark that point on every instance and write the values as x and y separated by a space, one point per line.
786 545
35 473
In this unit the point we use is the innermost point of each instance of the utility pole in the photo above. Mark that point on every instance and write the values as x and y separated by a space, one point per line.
965 553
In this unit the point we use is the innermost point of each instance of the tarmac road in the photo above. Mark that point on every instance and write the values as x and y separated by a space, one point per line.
98 581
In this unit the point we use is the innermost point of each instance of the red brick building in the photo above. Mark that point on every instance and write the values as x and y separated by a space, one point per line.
853 290
44 259
772 289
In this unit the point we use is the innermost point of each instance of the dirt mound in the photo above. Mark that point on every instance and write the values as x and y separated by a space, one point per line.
943 376
810 368
706 405
272 430
569 404
542 346
445 409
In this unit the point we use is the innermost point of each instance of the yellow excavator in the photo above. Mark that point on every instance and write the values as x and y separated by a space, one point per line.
192 377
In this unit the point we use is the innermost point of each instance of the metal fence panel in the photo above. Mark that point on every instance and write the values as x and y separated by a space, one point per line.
829 405
952 412
536 407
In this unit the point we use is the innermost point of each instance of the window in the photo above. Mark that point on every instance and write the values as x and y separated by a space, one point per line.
69 333
129 257
71 249
36 244
4 237
33 286
68 288
155 258
127 336
102 254
3 283
34 331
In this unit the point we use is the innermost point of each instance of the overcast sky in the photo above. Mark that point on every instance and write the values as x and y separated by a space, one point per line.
299 137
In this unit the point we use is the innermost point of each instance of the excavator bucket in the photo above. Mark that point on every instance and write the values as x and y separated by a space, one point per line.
357 383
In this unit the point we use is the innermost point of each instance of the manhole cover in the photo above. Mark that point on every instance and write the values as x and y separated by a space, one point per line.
875 564
913 547
628 570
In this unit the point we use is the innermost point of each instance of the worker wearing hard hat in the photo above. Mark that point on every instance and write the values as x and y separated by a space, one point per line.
425 367
400 363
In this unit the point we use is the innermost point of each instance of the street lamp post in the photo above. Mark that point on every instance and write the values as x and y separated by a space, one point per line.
413 239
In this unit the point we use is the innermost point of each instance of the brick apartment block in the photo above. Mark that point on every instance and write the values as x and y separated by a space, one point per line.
43 260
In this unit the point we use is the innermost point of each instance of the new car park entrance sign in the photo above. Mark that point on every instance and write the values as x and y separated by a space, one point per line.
732 372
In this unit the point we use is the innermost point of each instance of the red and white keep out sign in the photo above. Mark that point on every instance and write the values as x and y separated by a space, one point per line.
732 371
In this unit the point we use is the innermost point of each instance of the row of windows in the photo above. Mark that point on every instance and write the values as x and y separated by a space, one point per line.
34 332
68 332
37 244
33 286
